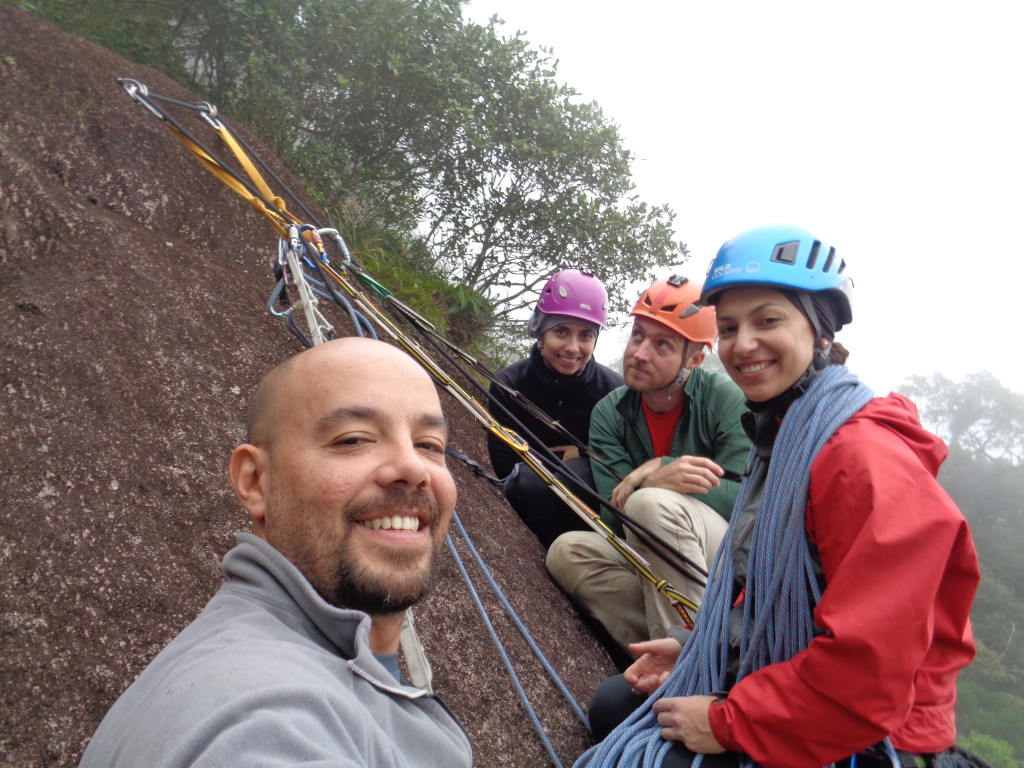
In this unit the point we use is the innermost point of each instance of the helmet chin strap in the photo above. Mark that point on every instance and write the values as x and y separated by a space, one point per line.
820 354
684 373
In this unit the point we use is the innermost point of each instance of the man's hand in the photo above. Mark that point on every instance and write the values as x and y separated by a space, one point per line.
655 662
685 719
688 474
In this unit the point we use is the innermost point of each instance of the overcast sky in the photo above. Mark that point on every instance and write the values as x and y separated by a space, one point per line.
893 130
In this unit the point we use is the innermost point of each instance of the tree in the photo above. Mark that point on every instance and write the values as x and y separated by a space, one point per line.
996 751
440 129
978 416
550 186
450 132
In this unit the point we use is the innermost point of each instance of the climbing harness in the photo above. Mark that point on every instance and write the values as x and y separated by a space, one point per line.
304 269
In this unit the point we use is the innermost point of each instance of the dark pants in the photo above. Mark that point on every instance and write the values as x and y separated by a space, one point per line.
614 701
537 506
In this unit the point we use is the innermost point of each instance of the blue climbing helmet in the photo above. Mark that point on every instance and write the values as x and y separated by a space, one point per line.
783 257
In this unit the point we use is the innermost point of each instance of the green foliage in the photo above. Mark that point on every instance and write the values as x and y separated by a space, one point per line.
469 313
388 260
457 312
440 130
995 715
996 751
999 618
136 31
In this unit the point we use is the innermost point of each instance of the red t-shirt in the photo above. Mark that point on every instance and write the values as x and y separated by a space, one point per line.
662 427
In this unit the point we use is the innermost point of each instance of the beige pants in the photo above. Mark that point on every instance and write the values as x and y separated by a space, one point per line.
606 587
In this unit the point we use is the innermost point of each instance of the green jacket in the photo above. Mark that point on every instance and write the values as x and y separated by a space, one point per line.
709 426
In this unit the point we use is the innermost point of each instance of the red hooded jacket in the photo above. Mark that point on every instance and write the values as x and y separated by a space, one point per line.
901 573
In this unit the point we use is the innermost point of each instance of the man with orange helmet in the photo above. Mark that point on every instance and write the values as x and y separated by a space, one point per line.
674 433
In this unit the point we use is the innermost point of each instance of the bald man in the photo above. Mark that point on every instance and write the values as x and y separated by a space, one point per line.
294 660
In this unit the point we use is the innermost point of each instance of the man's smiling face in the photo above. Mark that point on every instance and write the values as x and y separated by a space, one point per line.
358 495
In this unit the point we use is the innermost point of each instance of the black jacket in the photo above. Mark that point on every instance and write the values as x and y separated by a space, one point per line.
566 399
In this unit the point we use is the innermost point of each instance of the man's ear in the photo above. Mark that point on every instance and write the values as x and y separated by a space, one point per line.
247 472
696 357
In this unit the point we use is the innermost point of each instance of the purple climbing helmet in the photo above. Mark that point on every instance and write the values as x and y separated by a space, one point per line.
576 294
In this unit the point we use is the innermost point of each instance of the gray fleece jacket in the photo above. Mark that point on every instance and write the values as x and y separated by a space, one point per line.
271 675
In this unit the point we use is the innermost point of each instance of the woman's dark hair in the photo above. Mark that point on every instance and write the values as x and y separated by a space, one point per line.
837 354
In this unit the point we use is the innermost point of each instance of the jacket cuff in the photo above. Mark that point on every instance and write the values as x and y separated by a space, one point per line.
721 726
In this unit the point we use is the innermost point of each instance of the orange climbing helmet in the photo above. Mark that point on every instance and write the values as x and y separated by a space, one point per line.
675 304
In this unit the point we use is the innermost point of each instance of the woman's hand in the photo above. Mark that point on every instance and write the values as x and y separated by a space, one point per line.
685 719
567 451
655 662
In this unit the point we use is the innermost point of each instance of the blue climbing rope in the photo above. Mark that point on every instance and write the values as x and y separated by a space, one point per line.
549 748
521 626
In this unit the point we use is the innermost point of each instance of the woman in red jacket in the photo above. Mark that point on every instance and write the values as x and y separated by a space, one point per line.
836 619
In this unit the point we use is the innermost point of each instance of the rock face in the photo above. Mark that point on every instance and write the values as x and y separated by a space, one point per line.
133 288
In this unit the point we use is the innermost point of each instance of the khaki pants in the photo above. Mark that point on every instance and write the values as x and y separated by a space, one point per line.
606 587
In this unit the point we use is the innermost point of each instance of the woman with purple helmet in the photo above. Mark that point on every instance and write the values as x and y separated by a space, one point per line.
561 377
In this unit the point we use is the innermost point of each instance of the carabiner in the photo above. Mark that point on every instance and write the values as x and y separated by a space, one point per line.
511 438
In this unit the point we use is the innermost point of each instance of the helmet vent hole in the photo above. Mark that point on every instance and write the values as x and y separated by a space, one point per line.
813 258
831 258
785 253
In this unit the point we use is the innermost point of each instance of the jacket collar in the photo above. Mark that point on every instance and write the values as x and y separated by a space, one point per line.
255 566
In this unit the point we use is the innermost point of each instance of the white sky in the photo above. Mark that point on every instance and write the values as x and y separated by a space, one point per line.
892 129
